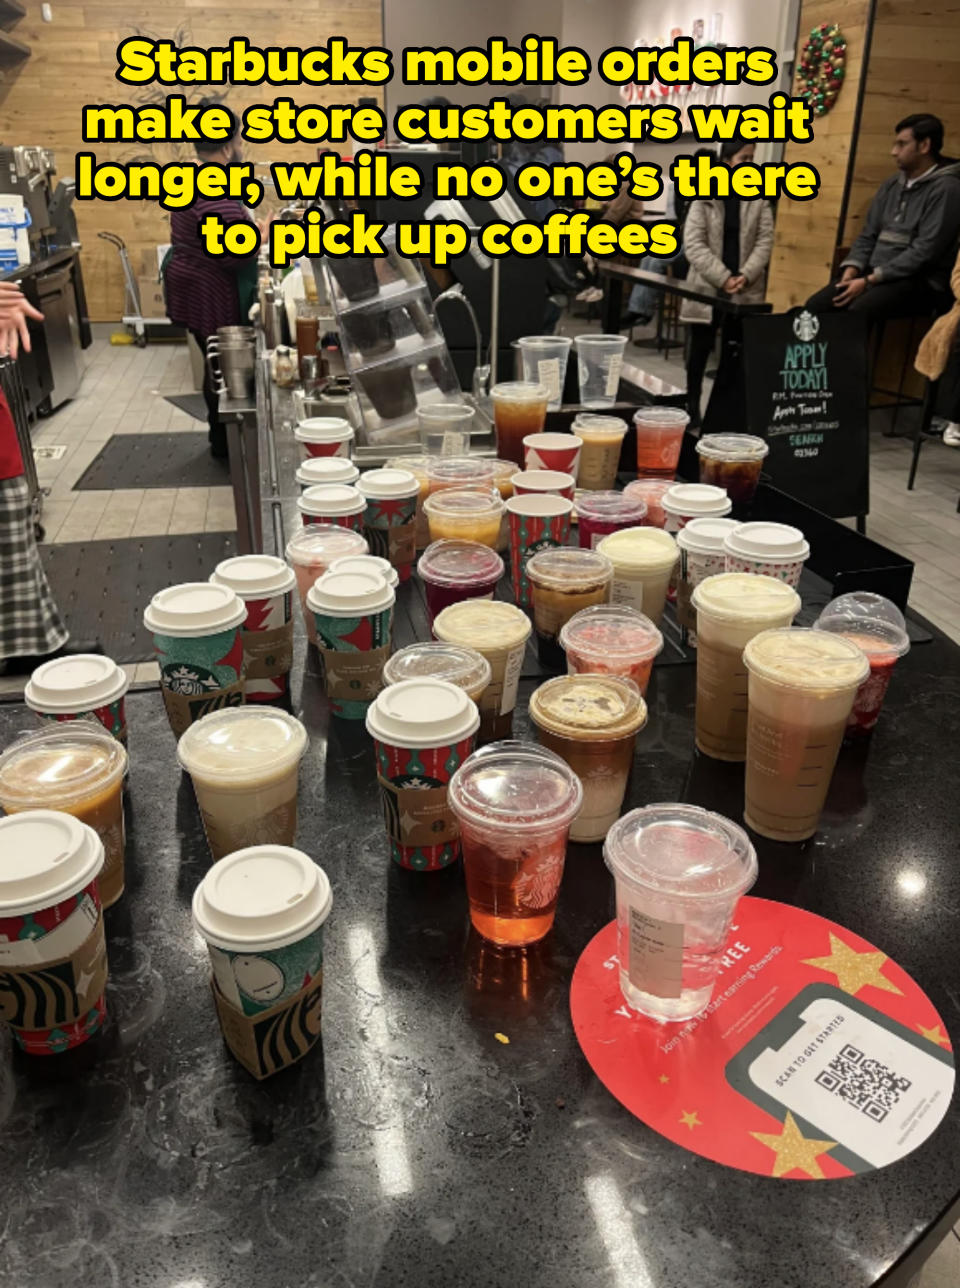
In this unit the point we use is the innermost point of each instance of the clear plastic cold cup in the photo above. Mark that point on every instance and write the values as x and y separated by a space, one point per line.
561 583
312 551
600 513
519 409
500 632
456 570
445 428
438 660
680 872
544 359
651 492
876 626
660 433
733 462
612 639
599 364
643 562
602 438
459 472
465 514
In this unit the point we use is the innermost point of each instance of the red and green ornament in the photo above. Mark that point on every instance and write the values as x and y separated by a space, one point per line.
822 68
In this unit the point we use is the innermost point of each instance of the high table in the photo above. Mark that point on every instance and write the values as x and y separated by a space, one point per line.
415 1147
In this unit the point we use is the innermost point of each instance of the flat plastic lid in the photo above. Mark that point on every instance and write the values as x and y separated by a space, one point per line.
612 631
254 576
58 766
558 442
543 480
649 489
332 498
866 604
438 660
463 503
263 897
460 469
47 857
543 505
768 541
350 594
705 536
193 609
681 851
613 506
326 469
79 683
642 549
521 391
744 596
323 429
323 543
460 563
732 447
418 466
558 342
806 659
878 639
589 706
422 713
696 498
606 341
516 786
239 744
387 484
600 426
505 469
483 624
368 563
671 416
569 569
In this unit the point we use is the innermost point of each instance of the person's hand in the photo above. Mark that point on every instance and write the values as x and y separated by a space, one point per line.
849 291
734 284
848 274
15 308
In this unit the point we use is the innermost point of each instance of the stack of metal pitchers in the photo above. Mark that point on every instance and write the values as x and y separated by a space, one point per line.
231 354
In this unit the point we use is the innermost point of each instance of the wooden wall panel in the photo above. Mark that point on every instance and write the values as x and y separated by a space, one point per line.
73 63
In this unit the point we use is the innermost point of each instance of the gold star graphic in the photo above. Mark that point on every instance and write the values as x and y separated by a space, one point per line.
664 1078
934 1035
794 1151
854 970
690 1120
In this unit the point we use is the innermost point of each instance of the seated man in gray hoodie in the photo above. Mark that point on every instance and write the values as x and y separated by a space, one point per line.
900 264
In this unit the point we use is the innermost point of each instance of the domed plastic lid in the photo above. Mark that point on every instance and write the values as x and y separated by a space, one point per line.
47 857
263 897
325 470
612 506
705 536
640 549
368 563
323 429
654 415
870 620
682 851
589 706
350 594
696 498
600 426
483 624
460 563
456 471
193 609
739 596
418 466
732 447
254 576
387 484
612 631
777 542
518 786
323 543
806 659
79 683
241 743
505 469
437 660
57 766
650 490
463 503
422 713
332 498
569 569
863 604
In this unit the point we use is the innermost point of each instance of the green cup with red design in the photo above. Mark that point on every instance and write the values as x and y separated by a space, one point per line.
423 730
87 686
537 522
353 615
390 519
198 645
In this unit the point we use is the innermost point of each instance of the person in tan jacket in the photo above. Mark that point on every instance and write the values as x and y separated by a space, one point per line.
727 244
939 353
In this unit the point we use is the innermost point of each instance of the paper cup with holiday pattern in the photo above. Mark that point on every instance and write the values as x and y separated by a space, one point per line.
767 549
266 585
390 519
536 523
84 686
338 503
353 616
423 730
324 436
316 471
553 452
701 556
53 955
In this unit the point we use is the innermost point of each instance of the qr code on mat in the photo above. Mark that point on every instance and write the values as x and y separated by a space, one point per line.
865 1084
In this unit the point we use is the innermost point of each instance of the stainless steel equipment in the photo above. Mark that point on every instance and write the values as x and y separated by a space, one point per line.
231 354
58 304
28 172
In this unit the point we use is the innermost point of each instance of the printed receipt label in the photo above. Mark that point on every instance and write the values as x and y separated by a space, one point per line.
656 955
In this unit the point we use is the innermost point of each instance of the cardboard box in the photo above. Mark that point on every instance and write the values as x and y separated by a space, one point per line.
152 303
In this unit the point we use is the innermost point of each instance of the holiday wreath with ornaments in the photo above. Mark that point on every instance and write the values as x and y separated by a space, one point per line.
822 68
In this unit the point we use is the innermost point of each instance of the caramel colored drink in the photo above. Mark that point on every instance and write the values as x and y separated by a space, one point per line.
500 632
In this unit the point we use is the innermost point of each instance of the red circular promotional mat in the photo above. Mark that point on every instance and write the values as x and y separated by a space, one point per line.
817 1057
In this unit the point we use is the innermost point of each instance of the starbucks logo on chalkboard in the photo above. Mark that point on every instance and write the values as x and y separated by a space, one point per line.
806 326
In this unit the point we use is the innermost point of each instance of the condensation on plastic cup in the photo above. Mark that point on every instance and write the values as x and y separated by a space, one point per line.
659 433
599 365
612 639
876 626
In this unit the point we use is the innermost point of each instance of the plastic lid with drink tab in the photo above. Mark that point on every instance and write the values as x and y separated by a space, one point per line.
768 542
599 426
696 499
734 596
254 576
640 549
323 544
318 470
59 765
238 744
870 621
388 484
464 503
520 391
802 658
662 416
705 536
350 594
567 568
422 713
82 682
48 856
483 624
323 429
613 631
332 498
261 897
438 660
365 564
517 786
681 852
194 609
460 563
612 507
588 706
732 447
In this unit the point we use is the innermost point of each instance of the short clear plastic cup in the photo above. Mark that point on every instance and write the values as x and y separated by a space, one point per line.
612 639
544 359
651 492
680 872
456 570
312 551
465 514
445 428
602 438
660 433
733 462
600 513
599 364
459 472
643 562
562 582
876 626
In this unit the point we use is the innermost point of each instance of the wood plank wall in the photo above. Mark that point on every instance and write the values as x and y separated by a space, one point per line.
74 61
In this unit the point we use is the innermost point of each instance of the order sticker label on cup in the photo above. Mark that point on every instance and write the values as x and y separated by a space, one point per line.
548 370
614 365
511 678
656 954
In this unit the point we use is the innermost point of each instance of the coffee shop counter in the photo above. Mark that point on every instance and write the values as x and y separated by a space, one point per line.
448 1129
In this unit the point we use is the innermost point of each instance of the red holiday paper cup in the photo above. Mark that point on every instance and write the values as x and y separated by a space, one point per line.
553 452
536 523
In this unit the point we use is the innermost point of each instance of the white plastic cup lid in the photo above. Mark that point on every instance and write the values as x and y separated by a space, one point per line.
367 563
767 542
350 594
194 609
422 713
332 498
240 744
705 536
388 484
323 429
696 499
262 897
254 576
322 543
326 469
73 684
47 857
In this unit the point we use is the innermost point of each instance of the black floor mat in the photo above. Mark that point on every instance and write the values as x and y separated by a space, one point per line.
103 587
155 460
193 404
